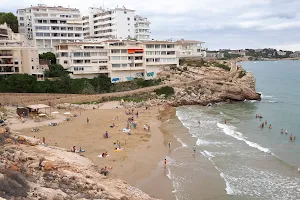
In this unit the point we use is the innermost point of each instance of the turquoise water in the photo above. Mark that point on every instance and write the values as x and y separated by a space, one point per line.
253 163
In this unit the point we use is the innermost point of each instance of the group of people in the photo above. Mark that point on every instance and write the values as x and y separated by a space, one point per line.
291 135
105 170
75 150
292 138
105 154
265 124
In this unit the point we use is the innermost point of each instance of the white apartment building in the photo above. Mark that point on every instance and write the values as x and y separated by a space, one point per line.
48 26
159 54
83 59
142 28
121 60
16 56
191 48
117 23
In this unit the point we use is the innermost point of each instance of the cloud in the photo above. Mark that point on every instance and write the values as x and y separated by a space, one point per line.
221 24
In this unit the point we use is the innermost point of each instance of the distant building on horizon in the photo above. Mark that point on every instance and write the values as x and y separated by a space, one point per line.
117 23
47 26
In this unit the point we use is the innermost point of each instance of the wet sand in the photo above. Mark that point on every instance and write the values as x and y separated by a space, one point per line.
143 154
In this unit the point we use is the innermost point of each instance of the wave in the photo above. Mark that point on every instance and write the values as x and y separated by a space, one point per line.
239 136
182 144
210 155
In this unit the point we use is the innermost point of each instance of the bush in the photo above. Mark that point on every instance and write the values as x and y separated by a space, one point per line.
223 66
184 68
14 184
242 73
167 91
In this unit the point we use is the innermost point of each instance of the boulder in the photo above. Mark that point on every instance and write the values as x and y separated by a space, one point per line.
48 166
2 131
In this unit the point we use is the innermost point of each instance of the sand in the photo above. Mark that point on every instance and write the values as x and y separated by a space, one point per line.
143 154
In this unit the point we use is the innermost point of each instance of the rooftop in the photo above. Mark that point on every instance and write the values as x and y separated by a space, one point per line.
40 6
189 42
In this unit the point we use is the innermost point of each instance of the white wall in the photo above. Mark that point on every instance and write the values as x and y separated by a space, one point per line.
122 24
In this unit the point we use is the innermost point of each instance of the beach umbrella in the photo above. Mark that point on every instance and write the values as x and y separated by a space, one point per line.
55 112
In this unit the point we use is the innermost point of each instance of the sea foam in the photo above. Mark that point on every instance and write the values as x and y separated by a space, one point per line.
239 136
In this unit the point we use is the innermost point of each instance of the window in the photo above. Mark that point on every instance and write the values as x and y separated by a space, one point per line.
115 51
64 54
65 62
78 68
32 67
116 65
163 46
150 46
123 50
125 12
47 34
16 69
115 58
77 35
157 46
128 18
128 24
128 30
21 24
16 62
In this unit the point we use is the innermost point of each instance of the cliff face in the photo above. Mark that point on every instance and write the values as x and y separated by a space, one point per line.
30 171
204 85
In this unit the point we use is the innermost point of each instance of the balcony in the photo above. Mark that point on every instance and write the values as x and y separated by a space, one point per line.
127 68
91 71
6 55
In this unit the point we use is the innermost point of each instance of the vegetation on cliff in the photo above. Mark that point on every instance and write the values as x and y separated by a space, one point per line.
11 20
202 63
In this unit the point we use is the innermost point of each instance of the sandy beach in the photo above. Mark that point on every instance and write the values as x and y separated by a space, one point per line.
140 163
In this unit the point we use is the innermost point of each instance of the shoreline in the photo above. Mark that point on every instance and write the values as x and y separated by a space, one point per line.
142 159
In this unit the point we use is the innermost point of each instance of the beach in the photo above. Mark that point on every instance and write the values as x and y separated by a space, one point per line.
143 152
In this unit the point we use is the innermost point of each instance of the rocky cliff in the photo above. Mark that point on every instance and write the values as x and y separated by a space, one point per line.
205 85
31 171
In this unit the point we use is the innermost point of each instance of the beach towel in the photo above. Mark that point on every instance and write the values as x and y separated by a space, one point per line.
125 130
100 156
118 150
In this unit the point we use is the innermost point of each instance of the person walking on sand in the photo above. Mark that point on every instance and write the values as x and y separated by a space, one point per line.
165 163
44 140
170 145
194 148
87 120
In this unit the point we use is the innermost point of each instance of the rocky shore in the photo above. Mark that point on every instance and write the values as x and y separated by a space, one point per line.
32 171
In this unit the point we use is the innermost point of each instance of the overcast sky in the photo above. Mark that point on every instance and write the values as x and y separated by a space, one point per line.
219 23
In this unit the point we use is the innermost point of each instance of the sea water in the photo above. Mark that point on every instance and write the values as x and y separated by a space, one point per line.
252 163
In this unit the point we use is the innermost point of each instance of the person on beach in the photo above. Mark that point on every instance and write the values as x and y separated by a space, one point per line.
44 140
106 134
137 114
262 125
291 137
170 145
87 120
165 163
194 148
270 127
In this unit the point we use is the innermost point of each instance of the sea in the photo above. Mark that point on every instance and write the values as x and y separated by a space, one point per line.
239 160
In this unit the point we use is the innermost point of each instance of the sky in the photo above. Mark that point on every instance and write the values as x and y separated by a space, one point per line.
234 24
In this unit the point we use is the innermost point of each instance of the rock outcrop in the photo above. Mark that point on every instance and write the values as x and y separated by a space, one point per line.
207 85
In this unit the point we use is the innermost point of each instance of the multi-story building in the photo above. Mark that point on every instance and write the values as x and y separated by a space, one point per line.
83 59
16 56
159 54
142 28
117 23
121 60
191 48
48 26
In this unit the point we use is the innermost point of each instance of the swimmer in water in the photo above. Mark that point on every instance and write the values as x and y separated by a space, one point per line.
291 137
225 122
270 127
286 132
294 137
281 131
266 122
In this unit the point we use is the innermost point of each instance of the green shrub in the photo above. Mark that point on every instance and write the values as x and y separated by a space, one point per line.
167 91
223 66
